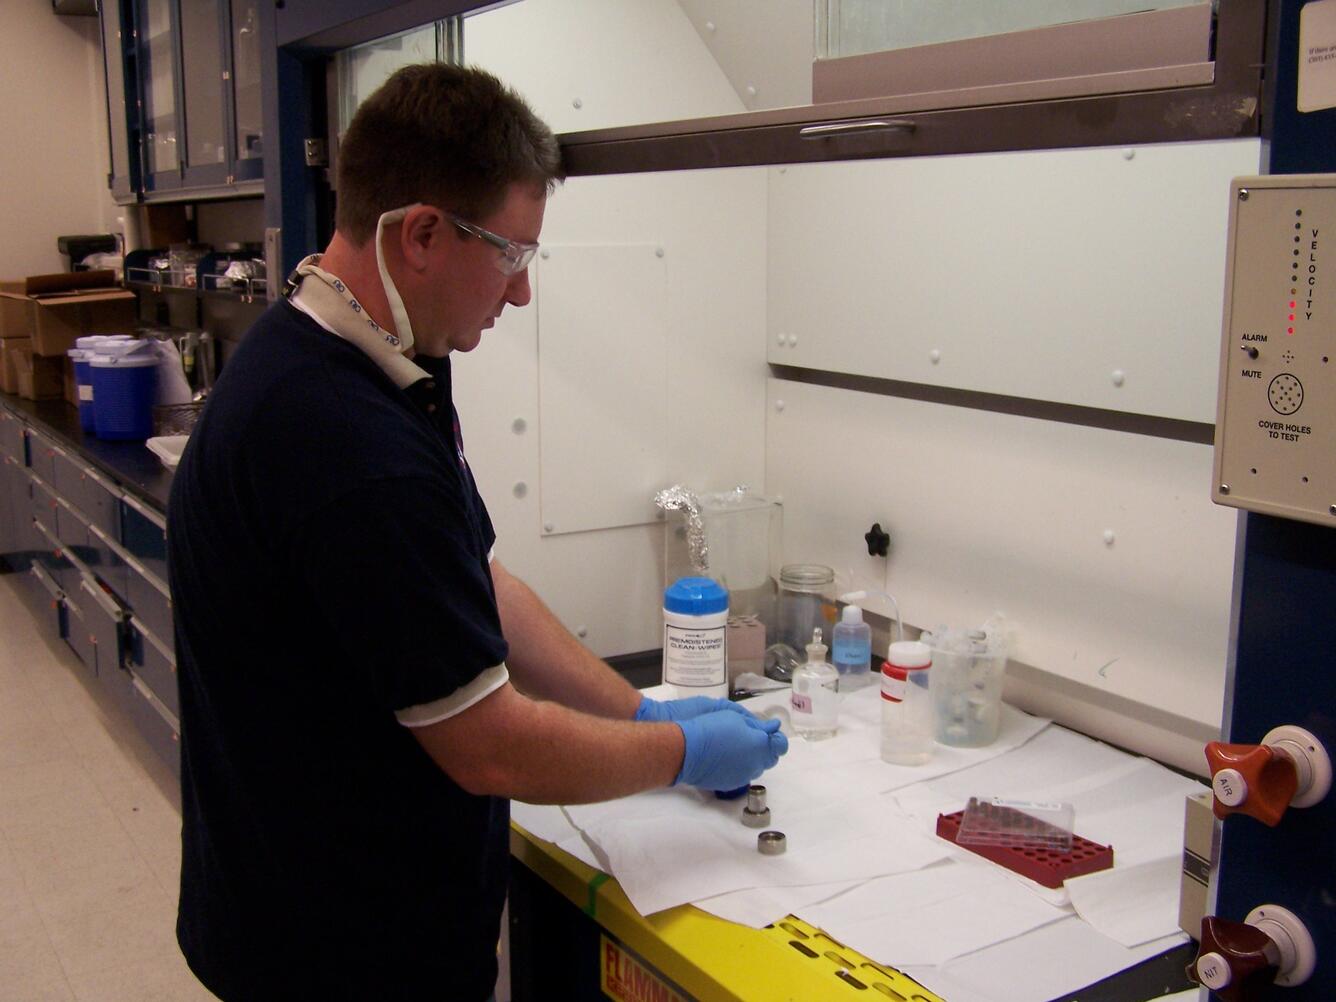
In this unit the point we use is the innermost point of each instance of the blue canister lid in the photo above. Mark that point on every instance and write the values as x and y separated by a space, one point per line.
695 597
100 361
123 354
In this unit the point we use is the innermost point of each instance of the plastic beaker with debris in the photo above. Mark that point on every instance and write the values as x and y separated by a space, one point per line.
966 683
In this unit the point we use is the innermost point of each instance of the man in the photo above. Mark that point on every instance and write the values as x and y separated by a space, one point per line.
362 684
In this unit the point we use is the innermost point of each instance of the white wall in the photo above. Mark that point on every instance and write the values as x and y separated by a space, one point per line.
678 393
1036 275
53 159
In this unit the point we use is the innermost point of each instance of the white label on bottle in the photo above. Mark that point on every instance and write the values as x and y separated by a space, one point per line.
694 658
893 689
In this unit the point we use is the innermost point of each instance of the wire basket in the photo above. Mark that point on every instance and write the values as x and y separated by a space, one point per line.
176 419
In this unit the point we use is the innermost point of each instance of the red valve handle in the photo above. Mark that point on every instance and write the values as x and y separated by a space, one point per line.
1236 961
1271 777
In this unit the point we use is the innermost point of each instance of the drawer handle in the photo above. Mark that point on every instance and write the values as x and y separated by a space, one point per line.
856 128
158 520
168 717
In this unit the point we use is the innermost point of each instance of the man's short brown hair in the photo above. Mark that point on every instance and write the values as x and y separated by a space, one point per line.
449 136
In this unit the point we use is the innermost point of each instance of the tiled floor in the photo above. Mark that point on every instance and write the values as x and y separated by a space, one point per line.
89 835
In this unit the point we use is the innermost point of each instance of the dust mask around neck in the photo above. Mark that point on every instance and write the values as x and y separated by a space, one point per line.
402 328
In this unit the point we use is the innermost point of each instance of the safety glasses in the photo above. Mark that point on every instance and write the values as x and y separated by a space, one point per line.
515 256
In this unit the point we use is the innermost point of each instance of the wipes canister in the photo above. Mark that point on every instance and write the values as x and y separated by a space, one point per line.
695 637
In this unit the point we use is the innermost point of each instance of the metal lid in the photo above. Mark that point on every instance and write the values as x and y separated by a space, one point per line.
806 577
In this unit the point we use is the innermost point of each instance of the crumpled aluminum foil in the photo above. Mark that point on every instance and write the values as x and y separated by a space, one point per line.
679 498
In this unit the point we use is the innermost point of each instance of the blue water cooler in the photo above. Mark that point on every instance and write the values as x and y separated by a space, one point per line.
124 380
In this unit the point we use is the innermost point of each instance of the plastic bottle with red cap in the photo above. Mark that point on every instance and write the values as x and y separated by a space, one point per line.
906 704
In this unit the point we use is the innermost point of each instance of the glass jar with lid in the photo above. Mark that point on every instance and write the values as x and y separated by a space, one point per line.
806 603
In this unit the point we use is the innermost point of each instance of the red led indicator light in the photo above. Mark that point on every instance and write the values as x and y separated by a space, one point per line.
1291 316
1290 331
1292 305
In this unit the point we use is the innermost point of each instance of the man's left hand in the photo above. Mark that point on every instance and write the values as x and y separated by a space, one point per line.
669 711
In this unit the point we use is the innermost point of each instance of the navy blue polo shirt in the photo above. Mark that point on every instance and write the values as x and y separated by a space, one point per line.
328 555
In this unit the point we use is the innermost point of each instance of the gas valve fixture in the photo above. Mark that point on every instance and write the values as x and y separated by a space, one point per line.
1290 768
1239 959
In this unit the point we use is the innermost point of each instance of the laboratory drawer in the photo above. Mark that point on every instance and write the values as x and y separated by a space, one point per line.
46 584
47 591
12 477
149 601
152 658
88 491
155 722
106 561
144 535
105 621
23 541
90 546
78 632
51 557
13 440
42 455
42 503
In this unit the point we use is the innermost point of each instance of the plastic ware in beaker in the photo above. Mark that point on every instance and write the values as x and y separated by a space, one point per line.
966 684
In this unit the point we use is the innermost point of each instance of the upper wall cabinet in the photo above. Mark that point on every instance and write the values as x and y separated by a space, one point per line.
118 64
183 98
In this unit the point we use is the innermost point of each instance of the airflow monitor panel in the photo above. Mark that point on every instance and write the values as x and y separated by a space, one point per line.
1275 432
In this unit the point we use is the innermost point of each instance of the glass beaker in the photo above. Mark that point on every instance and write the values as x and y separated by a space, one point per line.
966 684
806 603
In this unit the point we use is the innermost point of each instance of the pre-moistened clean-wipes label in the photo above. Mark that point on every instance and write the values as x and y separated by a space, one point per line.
695 658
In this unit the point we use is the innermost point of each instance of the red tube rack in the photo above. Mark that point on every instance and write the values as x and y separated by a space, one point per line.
1044 866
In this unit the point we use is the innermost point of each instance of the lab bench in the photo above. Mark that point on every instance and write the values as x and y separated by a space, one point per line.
83 522
572 926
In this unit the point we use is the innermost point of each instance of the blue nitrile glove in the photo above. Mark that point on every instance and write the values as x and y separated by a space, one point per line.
727 750
671 710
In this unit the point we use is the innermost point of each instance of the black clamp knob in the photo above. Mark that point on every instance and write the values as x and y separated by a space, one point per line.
878 541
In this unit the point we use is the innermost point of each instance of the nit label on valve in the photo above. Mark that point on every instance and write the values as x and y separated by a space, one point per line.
626 978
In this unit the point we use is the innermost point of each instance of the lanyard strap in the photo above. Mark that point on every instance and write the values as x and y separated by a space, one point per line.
328 297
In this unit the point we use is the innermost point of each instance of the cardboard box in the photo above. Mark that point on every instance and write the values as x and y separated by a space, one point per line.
55 320
39 377
71 385
1201 850
9 364
15 319
53 310
61 281
164 225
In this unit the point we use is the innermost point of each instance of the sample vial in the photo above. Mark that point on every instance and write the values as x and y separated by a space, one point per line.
906 704
851 649
814 703
695 637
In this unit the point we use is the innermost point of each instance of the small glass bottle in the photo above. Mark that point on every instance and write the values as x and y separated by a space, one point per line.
906 704
851 649
814 703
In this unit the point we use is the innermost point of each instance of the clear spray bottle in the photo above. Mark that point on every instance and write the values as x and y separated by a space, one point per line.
851 649
814 703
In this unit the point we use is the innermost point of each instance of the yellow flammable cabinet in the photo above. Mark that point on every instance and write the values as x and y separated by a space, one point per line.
575 935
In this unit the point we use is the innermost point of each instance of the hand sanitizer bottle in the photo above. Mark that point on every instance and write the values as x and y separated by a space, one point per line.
814 704
851 649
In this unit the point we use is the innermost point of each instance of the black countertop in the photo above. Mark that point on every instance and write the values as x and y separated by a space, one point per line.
130 464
